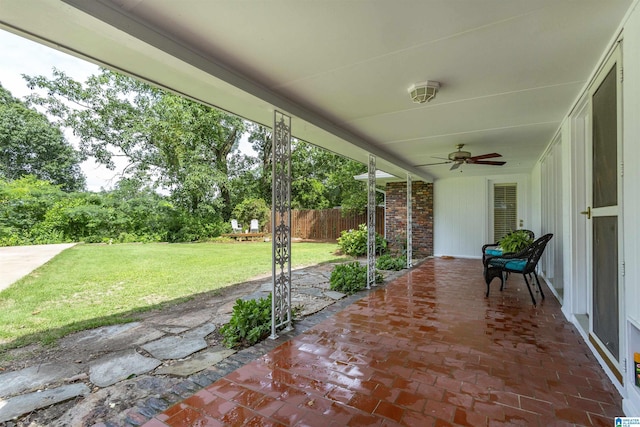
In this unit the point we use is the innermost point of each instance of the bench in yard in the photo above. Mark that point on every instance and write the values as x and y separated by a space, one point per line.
245 236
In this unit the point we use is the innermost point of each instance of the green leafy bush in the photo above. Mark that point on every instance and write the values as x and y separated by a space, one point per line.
250 323
35 212
515 241
350 278
23 204
388 262
354 242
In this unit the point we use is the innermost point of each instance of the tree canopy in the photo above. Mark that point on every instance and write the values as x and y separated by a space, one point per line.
182 146
320 179
31 145
184 174
323 179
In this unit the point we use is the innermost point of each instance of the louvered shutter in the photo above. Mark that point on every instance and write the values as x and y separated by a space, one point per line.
505 209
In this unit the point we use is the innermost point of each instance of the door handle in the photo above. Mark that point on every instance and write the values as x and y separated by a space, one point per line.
587 212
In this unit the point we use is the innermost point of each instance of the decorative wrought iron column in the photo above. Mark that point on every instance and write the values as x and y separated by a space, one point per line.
409 224
371 223
281 224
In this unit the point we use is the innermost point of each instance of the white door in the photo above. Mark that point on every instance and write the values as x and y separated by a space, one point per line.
604 196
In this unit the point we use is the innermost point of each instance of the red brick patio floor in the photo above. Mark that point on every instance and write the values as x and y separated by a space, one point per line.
428 349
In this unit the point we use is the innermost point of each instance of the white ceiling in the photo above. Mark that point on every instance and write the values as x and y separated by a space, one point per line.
510 70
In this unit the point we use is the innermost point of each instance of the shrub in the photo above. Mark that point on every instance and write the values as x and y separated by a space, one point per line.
354 242
185 227
23 205
250 323
350 278
388 262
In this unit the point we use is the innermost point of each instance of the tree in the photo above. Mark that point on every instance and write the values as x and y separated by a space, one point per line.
180 145
343 188
195 143
261 139
245 179
320 178
31 145
323 179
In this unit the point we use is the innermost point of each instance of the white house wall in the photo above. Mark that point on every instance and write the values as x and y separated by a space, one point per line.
462 216
568 212
631 201
631 147
459 216
536 199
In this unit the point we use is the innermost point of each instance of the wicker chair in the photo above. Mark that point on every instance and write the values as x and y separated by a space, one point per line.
523 262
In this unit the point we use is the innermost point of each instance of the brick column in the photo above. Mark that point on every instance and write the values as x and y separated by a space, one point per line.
396 225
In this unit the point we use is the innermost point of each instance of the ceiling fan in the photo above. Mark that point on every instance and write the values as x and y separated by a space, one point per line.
460 157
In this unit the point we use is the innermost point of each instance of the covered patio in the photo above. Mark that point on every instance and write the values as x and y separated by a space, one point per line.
517 81
428 349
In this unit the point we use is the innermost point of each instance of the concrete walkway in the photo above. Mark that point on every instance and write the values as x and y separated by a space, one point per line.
18 261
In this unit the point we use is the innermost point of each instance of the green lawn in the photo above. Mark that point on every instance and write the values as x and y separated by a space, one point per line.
94 285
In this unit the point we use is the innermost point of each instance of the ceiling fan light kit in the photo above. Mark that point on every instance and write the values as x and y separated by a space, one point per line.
459 156
424 91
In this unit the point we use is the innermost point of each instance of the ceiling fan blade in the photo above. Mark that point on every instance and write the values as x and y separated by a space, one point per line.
431 164
487 162
456 165
485 156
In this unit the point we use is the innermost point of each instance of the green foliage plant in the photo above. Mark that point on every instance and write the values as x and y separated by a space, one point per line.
389 262
354 242
350 278
515 241
250 323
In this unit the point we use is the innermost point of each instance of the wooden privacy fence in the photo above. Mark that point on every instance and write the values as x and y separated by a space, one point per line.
326 224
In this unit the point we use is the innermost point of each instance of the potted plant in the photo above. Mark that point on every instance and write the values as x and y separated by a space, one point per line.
515 241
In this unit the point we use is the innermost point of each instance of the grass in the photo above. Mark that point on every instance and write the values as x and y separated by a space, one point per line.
95 285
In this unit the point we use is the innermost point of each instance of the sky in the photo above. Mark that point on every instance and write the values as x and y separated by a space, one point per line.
22 56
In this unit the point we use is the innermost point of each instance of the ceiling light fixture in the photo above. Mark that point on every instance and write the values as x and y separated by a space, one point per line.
424 92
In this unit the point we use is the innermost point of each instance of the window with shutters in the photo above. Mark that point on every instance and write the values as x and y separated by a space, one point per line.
505 209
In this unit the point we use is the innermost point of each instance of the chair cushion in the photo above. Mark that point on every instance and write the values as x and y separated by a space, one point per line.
493 252
516 265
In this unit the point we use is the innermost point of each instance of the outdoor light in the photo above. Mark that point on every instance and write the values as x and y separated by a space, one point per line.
424 92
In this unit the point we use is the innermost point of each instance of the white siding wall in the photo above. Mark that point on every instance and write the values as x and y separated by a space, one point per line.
631 188
568 212
631 201
554 208
461 213
460 216
536 199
